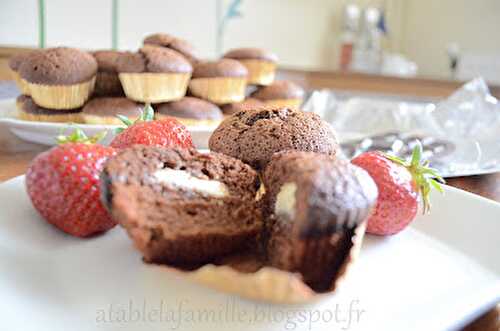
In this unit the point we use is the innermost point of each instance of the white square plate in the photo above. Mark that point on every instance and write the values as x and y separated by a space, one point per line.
437 275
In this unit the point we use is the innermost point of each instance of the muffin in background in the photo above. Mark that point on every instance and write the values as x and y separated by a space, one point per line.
15 62
28 110
190 111
107 82
253 136
261 64
177 44
104 110
247 104
154 74
59 78
223 81
280 93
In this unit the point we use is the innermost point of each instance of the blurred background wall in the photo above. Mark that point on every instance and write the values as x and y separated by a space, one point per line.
304 33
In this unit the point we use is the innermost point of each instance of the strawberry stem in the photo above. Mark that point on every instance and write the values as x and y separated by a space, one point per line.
78 136
424 176
147 115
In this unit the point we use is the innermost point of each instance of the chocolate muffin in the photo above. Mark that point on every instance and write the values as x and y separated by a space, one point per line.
316 205
280 94
190 111
59 78
180 206
253 136
15 62
104 110
249 103
28 110
154 74
261 64
107 81
220 82
180 45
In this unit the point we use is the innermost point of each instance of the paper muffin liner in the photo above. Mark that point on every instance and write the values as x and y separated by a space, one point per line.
56 118
260 72
21 84
269 284
106 120
219 90
154 87
61 96
191 121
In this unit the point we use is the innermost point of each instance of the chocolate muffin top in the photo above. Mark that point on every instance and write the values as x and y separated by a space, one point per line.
58 66
112 106
334 194
16 60
30 107
251 53
166 40
190 107
153 59
220 68
249 103
106 60
281 89
253 136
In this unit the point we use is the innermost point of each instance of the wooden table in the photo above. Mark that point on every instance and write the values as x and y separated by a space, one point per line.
14 162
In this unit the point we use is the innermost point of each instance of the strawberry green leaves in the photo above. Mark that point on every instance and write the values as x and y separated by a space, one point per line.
78 136
146 115
424 176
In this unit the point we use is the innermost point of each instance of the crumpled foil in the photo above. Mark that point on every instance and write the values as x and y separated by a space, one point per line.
460 135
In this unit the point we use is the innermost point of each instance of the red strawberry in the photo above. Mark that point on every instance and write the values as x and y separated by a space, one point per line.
165 132
63 185
399 184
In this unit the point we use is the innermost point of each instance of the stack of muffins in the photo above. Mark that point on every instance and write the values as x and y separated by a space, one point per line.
70 85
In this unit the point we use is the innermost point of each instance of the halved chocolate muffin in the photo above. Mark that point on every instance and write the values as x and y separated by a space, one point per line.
253 136
180 206
315 204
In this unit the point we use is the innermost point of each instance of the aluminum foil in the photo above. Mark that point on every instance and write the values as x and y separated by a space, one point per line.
460 135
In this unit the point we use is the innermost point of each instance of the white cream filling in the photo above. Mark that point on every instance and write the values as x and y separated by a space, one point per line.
285 200
184 180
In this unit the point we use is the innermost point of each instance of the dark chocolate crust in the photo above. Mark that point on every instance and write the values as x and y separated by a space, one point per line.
190 107
153 59
247 104
332 199
16 60
166 40
58 66
179 226
30 107
251 53
280 89
106 60
112 106
253 136
220 68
